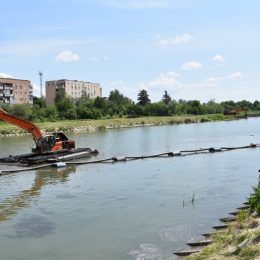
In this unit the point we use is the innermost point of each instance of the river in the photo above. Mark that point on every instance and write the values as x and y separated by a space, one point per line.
133 210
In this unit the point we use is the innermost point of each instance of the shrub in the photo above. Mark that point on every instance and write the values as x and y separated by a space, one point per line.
204 119
187 121
242 216
254 200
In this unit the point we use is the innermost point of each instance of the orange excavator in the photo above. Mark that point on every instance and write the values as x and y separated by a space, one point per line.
44 143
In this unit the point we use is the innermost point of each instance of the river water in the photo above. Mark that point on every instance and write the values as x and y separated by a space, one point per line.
134 210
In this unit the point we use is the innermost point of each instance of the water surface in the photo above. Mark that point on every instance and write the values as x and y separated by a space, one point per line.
134 210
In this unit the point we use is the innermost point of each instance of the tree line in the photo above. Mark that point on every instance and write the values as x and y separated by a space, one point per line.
118 105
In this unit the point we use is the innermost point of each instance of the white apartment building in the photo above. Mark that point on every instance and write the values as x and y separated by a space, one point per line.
72 88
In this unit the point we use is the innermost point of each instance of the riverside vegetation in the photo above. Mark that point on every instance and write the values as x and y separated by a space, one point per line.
118 111
242 238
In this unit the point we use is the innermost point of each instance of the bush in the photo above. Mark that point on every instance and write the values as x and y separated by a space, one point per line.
242 216
204 119
187 121
254 200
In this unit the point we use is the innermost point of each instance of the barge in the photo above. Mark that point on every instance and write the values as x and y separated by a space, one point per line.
48 157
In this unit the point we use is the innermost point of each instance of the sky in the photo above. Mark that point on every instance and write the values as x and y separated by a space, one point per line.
193 49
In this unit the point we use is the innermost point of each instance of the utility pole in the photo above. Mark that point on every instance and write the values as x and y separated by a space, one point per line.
40 74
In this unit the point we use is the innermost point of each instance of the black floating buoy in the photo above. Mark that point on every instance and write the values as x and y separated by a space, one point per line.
220 227
200 243
187 252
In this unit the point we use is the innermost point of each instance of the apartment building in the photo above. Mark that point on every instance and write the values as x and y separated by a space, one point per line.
15 91
72 88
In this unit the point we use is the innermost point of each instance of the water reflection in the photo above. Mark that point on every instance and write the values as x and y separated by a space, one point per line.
43 177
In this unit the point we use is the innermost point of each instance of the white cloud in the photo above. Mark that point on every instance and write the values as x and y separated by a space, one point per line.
193 65
167 79
123 88
175 40
37 90
215 87
67 56
4 75
235 75
218 58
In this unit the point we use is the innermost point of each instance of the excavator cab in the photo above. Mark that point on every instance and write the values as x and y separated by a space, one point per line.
55 142
62 142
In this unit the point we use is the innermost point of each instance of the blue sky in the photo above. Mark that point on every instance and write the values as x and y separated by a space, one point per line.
194 49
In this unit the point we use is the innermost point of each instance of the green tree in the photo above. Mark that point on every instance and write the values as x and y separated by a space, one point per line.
21 110
194 107
51 113
159 109
166 98
99 102
143 98
116 97
39 101
256 105
65 106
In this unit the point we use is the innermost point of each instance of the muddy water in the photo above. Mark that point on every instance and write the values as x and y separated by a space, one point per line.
134 210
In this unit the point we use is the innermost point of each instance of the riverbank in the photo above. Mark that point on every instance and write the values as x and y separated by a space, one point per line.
77 126
241 241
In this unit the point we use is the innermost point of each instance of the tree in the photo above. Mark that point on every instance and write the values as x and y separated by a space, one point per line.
39 101
159 109
143 98
65 106
21 110
116 97
99 102
166 98
194 107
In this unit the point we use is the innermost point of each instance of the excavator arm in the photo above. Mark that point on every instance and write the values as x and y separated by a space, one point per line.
22 123
48 143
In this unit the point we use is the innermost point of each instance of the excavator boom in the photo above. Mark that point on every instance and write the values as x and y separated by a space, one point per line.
22 123
44 144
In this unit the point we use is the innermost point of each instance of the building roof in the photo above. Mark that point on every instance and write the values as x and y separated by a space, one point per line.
74 80
1 79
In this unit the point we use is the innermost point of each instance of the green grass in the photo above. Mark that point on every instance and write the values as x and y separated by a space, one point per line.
249 253
67 125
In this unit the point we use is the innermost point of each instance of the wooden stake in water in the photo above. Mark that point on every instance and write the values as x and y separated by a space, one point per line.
193 198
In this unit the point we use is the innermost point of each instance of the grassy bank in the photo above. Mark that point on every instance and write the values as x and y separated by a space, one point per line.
242 238
102 124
